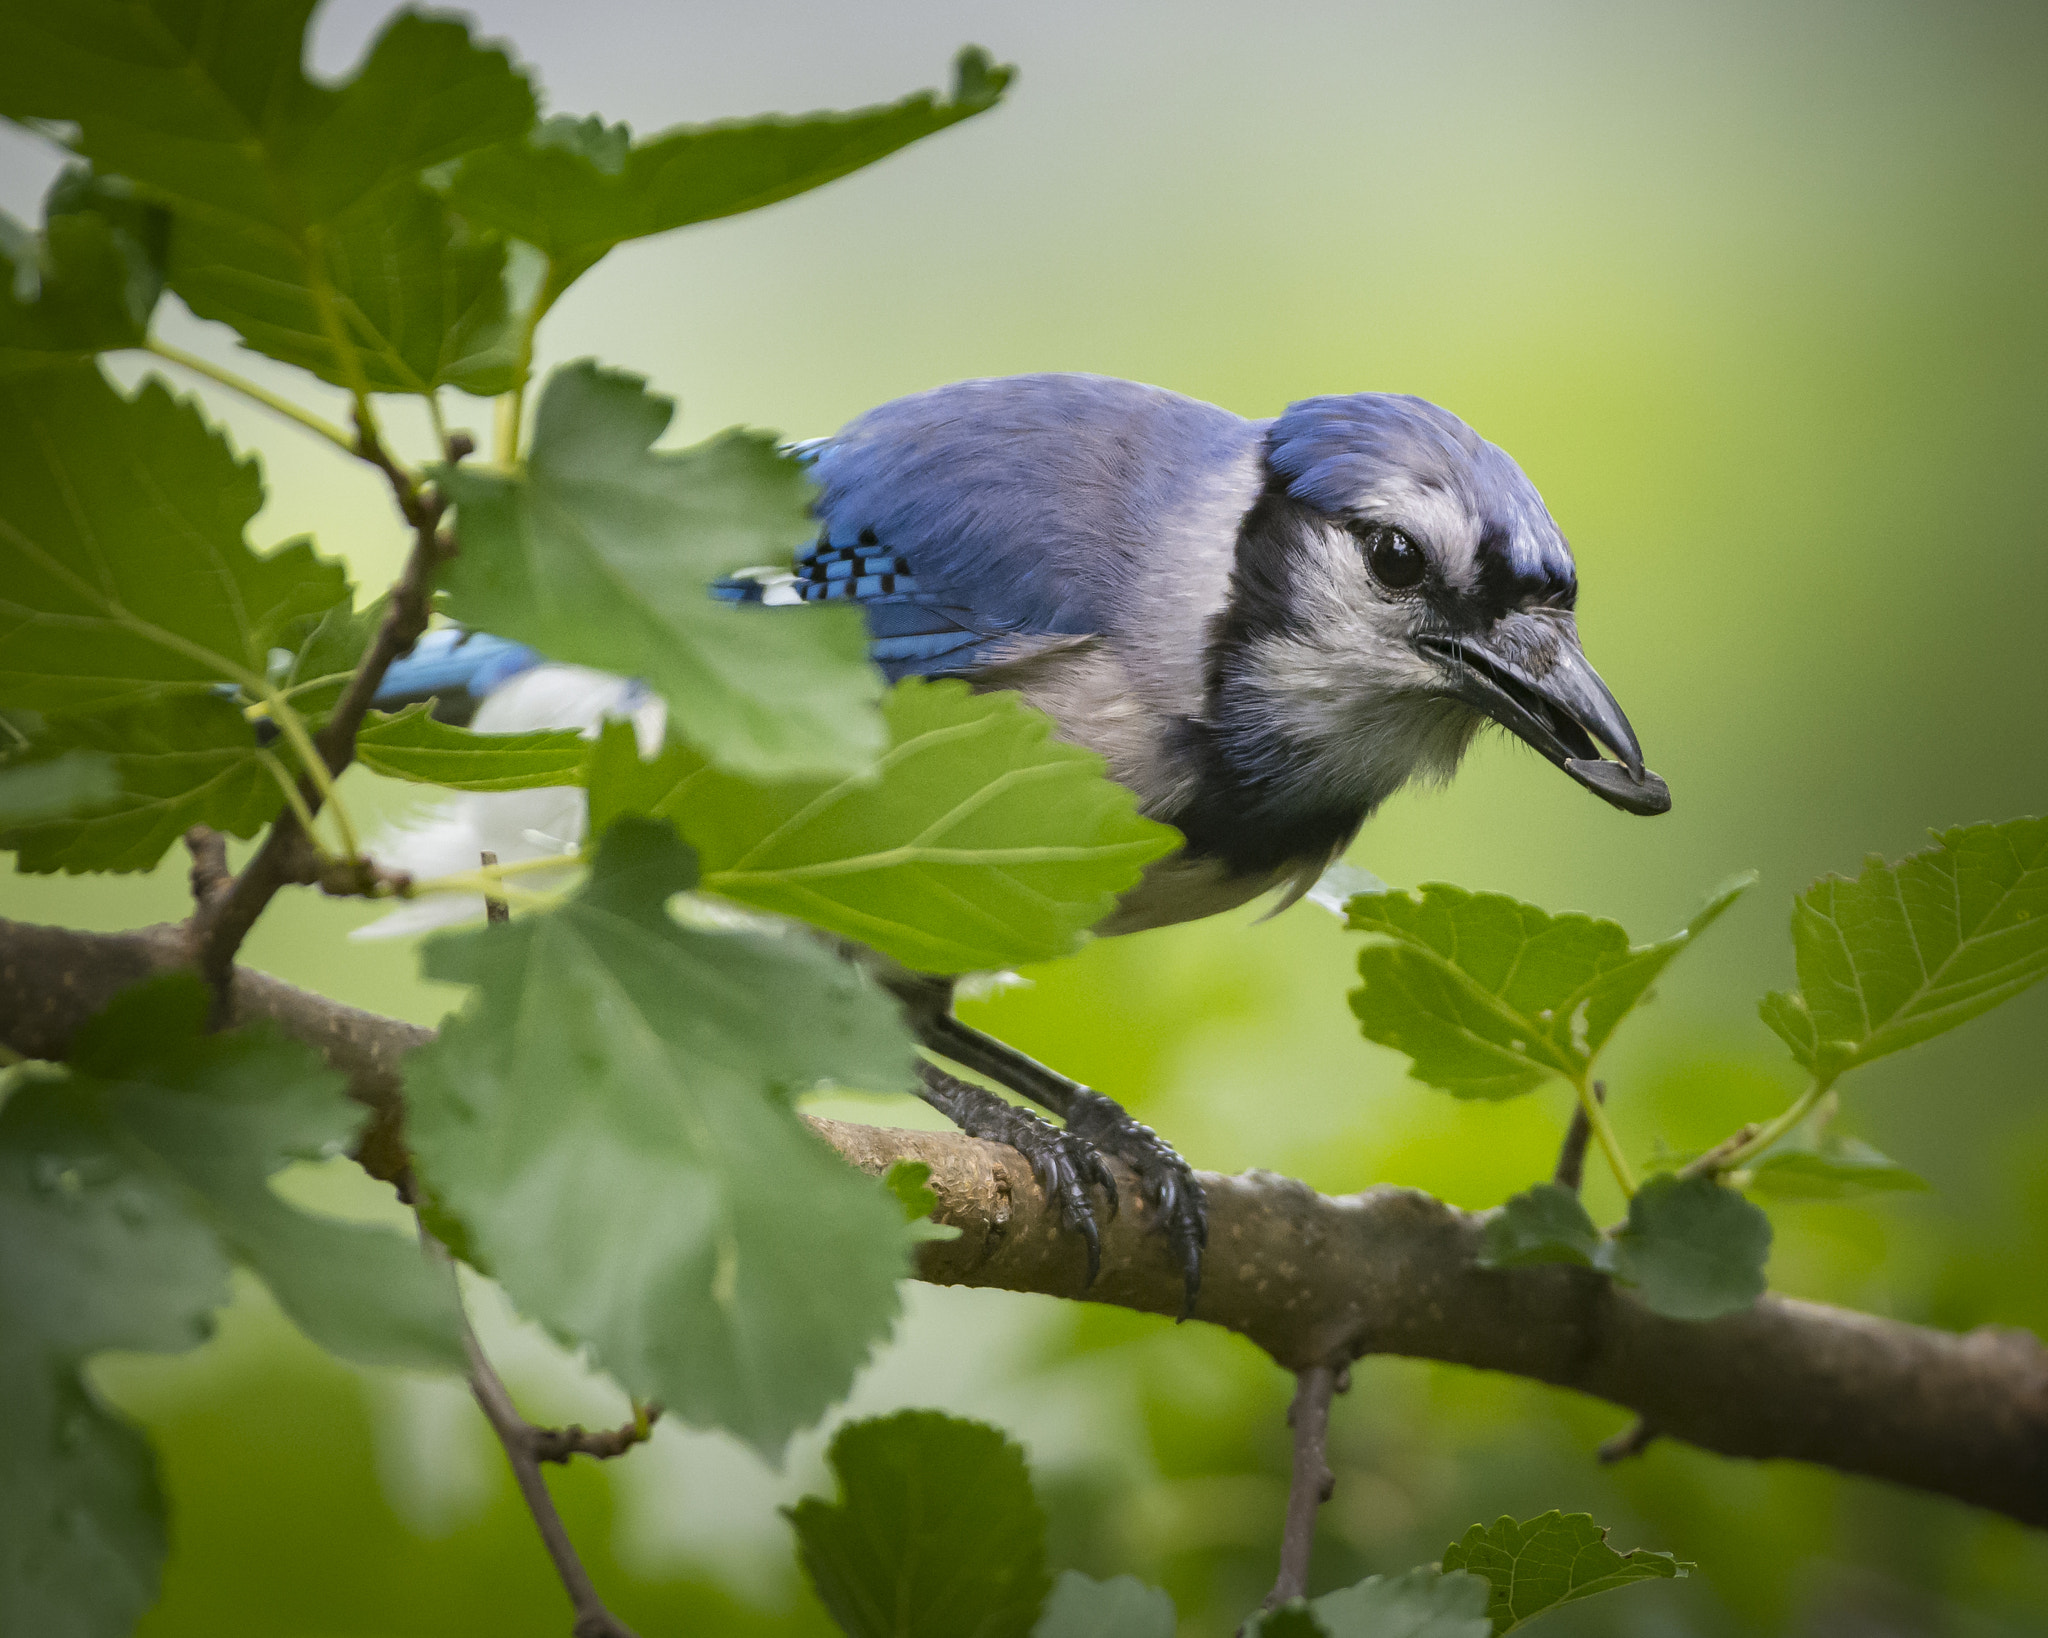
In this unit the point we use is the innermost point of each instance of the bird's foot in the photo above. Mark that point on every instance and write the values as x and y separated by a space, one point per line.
1104 1127
1064 1164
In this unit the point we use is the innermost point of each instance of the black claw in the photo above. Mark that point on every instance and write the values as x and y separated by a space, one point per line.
1163 1178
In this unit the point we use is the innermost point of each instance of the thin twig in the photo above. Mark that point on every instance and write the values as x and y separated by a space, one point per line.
1633 1440
1313 1481
1571 1154
495 909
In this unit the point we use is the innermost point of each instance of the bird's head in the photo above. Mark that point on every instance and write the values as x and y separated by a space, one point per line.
1399 583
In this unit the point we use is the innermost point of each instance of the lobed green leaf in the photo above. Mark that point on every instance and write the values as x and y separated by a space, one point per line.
1692 1249
87 283
676 1214
574 188
1079 1606
982 841
123 567
1910 950
936 1532
1803 1165
1556 1559
411 745
602 553
1545 1224
1419 1603
1489 996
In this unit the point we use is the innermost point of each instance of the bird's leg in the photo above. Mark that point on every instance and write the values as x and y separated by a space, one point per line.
1098 1123
1063 1164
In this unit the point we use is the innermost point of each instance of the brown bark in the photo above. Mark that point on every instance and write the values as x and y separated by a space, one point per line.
1313 1279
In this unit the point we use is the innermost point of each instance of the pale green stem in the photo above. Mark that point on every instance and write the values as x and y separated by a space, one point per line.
1774 1130
1610 1145
481 880
248 389
512 406
293 800
293 727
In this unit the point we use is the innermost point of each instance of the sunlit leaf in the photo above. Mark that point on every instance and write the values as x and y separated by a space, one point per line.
1546 1224
87 283
123 568
602 553
1909 950
936 1533
575 188
1490 996
611 1116
1692 1249
412 745
910 1182
168 764
1555 1559
984 841
300 215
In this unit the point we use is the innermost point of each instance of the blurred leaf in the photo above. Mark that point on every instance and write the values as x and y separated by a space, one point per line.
412 745
985 842
603 552
1546 1224
324 650
1555 1559
675 1214
122 564
910 1182
1419 1603
936 1533
300 216
103 1251
172 763
1909 950
1122 1607
1803 1166
222 1113
67 783
87 283
1490 996
575 188
1692 1249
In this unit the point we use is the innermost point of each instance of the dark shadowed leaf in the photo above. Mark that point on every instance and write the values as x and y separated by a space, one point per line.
1490 996
935 1534
1803 1166
412 745
222 1113
1535 1566
1909 950
1691 1248
603 552
300 215
675 1214
170 764
87 283
123 570
575 188
984 841
1546 1224
1079 1606
1293 1619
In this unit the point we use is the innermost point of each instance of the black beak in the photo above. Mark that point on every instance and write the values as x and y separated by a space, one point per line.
1529 674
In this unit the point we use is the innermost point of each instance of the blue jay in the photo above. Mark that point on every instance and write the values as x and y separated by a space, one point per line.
1265 627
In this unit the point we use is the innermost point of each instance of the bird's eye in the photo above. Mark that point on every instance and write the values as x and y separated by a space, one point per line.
1396 561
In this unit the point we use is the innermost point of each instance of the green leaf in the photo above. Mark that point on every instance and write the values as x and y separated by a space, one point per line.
674 1213
1293 1619
123 570
603 551
1419 1603
1804 1166
300 215
71 782
984 841
1556 1559
910 1182
1693 1249
1909 950
575 188
412 745
222 1113
87 283
1122 1607
1546 1224
936 1533
168 765
324 650
1489 996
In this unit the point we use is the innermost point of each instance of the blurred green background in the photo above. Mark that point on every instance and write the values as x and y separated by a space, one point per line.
1755 294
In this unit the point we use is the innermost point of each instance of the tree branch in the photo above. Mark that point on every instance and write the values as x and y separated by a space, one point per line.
1310 1278
1312 1481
